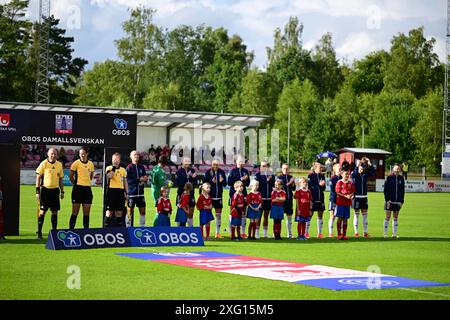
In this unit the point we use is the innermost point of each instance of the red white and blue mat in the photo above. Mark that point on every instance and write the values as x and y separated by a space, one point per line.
312 275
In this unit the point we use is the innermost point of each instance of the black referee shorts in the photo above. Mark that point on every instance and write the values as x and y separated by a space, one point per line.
49 199
115 199
82 194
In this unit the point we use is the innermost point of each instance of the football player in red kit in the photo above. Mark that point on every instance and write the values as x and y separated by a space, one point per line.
204 205
345 190
254 203
278 198
304 201
237 207
164 209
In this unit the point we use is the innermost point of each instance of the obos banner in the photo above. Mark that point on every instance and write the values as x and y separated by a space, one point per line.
67 128
123 237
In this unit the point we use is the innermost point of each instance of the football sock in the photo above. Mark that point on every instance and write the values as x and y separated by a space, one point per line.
344 227
356 222
208 230
128 220
190 222
257 230
302 228
265 231
394 226
243 224
218 221
40 223
299 229
119 221
386 226
330 225
54 221
319 225
232 232
73 221
365 222
308 224
86 221
289 225
238 230
142 220
107 221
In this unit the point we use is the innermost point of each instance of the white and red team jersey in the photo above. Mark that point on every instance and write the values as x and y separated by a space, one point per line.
254 198
163 205
344 188
203 202
278 194
304 199
236 201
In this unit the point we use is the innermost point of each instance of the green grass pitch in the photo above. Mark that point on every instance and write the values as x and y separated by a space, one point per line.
29 271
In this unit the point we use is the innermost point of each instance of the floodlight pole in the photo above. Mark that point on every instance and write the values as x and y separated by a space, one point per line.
289 135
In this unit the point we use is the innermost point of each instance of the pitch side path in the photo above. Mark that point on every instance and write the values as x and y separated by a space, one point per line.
29 271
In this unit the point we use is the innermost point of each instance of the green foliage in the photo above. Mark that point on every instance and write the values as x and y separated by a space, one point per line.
18 52
427 133
394 119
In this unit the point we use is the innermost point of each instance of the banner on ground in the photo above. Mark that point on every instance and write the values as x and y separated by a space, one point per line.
123 237
312 275
419 186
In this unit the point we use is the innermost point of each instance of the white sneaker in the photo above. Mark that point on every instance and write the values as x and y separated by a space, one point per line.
394 236
385 236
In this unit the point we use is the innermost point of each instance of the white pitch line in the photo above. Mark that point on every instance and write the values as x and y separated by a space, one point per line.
427 292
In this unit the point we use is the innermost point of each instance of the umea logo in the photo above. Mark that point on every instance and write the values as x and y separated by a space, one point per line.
5 119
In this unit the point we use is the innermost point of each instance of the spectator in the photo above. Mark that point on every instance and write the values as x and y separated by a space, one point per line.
152 158
328 167
62 156
405 168
152 149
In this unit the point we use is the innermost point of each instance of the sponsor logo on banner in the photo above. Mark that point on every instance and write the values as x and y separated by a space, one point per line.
123 237
63 124
163 236
5 119
69 239
121 127
314 275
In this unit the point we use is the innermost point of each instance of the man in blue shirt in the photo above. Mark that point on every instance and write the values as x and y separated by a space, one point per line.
217 178
316 183
136 178
239 174
266 180
362 172
184 175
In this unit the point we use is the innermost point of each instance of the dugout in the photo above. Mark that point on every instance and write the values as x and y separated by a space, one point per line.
377 158
113 129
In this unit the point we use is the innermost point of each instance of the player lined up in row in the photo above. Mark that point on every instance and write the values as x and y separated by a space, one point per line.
270 196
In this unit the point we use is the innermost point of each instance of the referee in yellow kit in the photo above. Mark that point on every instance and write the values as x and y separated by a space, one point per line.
81 174
117 192
49 188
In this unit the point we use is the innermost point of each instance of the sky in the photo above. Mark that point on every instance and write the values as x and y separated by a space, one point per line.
358 27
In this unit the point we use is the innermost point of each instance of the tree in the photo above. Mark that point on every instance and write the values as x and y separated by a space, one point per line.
427 133
345 116
259 94
141 48
107 84
288 60
163 97
368 73
393 121
413 64
230 65
327 74
15 38
303 101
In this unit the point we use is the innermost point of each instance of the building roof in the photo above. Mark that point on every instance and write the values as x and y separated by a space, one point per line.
157 118
363 150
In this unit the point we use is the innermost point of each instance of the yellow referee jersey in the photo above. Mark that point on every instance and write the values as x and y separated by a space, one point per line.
83 171
117 181
52 172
